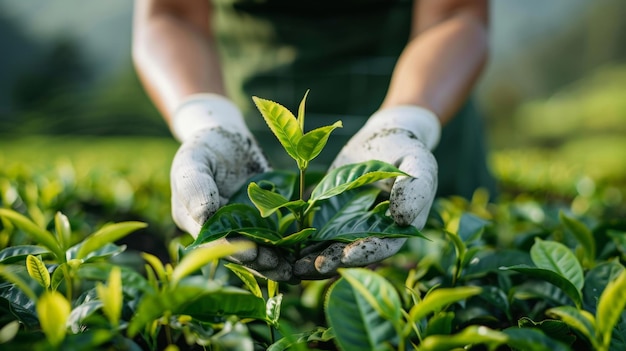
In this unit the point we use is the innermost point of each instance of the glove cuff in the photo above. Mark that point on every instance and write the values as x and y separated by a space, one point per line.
201 111
419 120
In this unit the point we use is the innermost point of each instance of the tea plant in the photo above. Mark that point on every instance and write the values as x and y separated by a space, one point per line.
335 210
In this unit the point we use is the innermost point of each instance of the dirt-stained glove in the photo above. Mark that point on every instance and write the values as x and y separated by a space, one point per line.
403 136
218 154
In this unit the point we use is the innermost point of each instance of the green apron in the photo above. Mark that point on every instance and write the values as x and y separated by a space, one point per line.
344 53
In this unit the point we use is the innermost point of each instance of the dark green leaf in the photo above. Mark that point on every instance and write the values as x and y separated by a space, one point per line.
134 282
235 218
596 281
579 320
558 258
281 182
553 328
295 237
17 253
440 323
352 176
81 313
105 251
552 277
582 234
355 322
471 227
351 224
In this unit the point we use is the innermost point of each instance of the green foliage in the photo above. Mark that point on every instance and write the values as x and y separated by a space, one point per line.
279 219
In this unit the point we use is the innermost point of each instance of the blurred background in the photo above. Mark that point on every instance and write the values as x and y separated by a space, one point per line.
553 95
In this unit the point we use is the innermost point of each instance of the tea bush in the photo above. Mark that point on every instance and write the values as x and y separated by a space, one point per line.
537 268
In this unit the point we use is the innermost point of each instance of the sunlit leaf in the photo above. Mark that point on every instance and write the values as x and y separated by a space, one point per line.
108 234
111 296
610 307
313 142
63 230
38 271
351 176
9 331
246 277
268 202
201 256
39 235
437 299
301 111
472 335
581 320
558 258
278 181
53 311
282 123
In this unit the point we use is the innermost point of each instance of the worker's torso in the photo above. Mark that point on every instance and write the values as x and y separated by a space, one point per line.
343 52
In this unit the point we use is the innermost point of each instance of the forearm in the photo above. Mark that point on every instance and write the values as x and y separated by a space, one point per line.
174 57
439 66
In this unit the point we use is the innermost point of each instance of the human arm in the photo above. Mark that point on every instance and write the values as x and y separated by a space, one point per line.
432 78
175 56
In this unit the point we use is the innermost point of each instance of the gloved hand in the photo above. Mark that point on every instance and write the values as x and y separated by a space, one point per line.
218 154
403 136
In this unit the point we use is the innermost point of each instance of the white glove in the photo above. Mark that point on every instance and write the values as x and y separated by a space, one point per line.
404 137
218 154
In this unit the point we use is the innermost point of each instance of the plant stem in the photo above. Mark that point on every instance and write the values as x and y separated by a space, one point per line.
302 172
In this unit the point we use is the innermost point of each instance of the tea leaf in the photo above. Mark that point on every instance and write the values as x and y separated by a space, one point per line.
246 277
106 235
111 296
268 202
559 259
82 312
357 325
38 271
532 340
9 331
437 299
582 234
313 142
273 309
472 335
580 320
203 255
156 264
282 123
39 235
596 281
552 277
351 224
352 176
197 298
281 182
53 311
379 292
63 230
8 273
235 218
295 238
301 111
610 307
17 253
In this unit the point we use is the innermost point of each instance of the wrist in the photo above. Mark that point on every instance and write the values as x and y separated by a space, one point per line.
419 120
202 111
